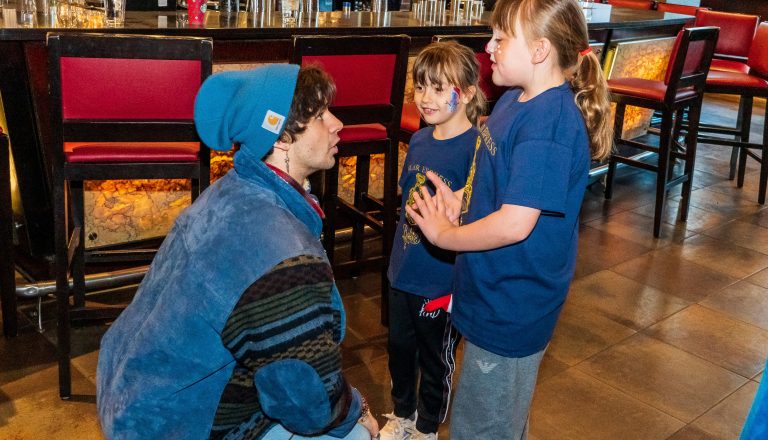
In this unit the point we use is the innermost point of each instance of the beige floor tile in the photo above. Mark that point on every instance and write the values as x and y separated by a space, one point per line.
638 228
550 367
599 250
36 412
712 335
742 233
580 333
575 406
726 419
759 218
667 378
698 219
760 278
719 255
623 300
692 433
682 278
723 204
744 301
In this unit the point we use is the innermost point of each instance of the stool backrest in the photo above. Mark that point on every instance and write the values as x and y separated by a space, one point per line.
678 9
477 43
125 88
632 4
369 72
690 60
758 52
736 31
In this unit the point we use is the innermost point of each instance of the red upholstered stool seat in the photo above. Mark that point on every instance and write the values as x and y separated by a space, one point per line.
728 66
130 152
646 89
736 80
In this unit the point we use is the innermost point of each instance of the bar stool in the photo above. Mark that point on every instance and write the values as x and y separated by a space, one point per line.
746 86
122 108
7 276
369 72
736 34
681 90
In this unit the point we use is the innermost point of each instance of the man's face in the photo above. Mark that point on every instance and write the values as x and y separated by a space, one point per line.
315 149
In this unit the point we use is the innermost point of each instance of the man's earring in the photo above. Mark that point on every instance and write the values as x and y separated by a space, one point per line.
287 163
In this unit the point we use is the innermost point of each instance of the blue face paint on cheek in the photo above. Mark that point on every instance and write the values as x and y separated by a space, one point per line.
453 103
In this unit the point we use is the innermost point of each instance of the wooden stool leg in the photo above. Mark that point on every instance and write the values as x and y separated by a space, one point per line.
618 123
665 145
694 115
7 276
362 171
78 241
62 288
330 196
745 121
764 160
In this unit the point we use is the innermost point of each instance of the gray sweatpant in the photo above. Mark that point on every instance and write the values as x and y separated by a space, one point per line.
493 396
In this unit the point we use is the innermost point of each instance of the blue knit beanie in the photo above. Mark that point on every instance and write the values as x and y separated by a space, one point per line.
249 107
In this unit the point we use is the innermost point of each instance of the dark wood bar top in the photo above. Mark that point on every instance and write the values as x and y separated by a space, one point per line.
245 25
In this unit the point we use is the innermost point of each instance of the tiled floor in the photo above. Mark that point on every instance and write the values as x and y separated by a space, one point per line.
660 338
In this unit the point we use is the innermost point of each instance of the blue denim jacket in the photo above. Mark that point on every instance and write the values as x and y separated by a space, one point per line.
162 366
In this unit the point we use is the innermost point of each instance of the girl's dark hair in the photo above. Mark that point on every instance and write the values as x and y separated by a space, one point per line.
315 90
454 63
562 23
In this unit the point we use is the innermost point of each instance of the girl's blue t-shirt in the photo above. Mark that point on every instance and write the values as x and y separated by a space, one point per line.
415 265
534 154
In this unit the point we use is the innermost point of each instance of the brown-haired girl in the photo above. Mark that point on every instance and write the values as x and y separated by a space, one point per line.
447 95
518 231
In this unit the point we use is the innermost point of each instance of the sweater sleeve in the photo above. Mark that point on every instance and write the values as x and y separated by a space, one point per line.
281 333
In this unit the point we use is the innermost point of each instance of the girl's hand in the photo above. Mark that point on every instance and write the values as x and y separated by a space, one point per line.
430 214
451 199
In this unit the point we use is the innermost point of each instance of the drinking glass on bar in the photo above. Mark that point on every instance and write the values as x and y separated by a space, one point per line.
114 11
291 12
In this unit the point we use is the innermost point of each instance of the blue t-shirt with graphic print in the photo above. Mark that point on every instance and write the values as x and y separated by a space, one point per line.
415 265
534 154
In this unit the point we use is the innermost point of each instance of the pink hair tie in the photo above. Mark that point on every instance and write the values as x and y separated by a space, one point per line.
585 51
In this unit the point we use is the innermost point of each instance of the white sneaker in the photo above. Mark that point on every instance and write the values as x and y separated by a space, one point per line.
418 435
398 428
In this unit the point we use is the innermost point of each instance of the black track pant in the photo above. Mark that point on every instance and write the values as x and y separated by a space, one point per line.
420 343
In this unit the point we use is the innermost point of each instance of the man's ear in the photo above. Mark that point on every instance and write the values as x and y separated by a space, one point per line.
280 145
541 50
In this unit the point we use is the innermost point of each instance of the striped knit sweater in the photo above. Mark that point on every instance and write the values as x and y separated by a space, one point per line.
286 314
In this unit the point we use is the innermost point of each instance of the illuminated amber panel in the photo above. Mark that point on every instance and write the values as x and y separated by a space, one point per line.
638 59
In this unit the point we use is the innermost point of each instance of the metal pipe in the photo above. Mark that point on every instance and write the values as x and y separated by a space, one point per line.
603 169
97 281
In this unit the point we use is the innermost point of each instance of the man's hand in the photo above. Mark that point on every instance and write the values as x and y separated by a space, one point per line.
430 214
370 423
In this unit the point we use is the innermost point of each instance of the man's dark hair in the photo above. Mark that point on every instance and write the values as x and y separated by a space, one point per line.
315 90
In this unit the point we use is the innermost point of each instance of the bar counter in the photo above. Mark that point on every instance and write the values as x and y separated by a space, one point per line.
237 39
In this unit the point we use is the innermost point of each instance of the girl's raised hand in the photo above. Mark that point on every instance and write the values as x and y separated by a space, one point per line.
451 199
430 214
